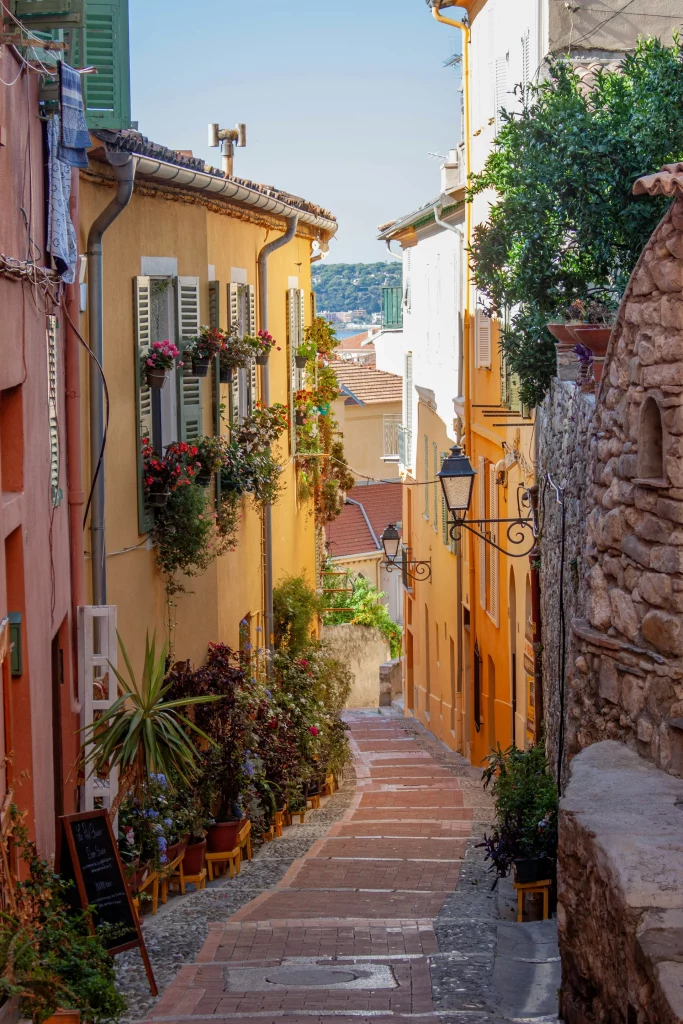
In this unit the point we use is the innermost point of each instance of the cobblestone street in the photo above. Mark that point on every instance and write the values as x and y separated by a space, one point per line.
388 915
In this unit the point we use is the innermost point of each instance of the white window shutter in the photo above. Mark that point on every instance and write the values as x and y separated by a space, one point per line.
481 491
251 309
250 299
482 339
143 394
501 90
234 325
189 386
408 408
494 556
294 374
526 62
426 477
97 690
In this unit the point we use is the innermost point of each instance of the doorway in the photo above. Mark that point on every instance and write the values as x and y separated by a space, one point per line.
512 612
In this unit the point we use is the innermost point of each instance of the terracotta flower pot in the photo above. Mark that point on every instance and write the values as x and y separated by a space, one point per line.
200 367
222 836
64 1017
156 377
562 335
176 849
596 338
193 861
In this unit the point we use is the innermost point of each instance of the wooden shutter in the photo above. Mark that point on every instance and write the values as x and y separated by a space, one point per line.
250 300
189 386
234 325
481 490
314 310
107 94
494 556
482 338
408 407
435 484
444 512
215 321
501 90
526 63
52 408
143 394
295 320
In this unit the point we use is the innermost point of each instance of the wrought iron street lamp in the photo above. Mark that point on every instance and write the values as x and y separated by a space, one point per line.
457 480
411 569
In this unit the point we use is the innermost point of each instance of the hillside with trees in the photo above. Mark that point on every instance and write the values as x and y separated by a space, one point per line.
344 286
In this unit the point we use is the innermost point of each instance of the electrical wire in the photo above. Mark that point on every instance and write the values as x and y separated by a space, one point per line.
106 410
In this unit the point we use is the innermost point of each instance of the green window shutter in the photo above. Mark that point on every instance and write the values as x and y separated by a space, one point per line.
234 325
189 386
314 307
253 370
294 373
107 94
215 321
143 394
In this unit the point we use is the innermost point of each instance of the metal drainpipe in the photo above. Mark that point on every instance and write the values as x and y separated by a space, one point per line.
124 168
265 395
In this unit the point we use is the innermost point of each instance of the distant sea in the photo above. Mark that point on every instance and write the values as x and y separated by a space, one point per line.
348 332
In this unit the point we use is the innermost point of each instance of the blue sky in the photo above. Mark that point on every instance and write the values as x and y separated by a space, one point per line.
343 101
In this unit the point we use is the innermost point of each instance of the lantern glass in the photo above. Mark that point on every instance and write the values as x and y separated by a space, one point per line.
391 542
457 481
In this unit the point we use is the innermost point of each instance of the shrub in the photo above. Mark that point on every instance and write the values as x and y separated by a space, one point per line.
295 604
365 603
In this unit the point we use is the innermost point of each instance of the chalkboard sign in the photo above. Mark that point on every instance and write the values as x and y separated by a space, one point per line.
87 856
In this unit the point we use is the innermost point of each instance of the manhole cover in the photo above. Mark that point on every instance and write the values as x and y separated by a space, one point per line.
305 972
309 977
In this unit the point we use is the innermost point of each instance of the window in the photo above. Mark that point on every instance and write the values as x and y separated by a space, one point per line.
481 495
651 446
426 476
493 554
427 664
391 423
435 484
477 687
165 307
482 338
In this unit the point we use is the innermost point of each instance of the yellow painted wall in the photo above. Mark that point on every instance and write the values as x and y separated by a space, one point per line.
363 430
430 611
232 587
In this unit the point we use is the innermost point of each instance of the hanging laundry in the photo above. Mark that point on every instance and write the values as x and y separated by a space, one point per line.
61 237
75 138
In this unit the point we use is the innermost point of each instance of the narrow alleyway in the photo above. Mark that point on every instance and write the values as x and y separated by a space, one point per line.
388 917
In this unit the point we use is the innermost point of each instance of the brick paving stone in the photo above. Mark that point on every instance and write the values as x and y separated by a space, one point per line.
367 892
404 849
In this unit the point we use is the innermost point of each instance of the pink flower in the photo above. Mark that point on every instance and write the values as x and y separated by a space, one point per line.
313 730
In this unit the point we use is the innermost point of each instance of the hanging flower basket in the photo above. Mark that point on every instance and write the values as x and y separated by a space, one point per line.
260 346
225 375
200 366
203 479
156 378
157 499
262 360
300 362
300 418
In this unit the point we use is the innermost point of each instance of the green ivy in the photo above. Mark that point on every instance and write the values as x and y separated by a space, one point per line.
364 601
566 224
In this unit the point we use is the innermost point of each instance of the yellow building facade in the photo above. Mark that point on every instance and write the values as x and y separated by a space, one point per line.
181 258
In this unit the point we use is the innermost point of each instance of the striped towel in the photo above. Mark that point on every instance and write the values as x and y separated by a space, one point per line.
75 138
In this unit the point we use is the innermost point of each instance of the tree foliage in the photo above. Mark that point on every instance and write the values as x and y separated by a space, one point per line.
565 224
341 287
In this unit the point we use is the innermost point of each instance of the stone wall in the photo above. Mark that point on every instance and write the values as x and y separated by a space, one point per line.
563 424
390 682
620 891
626 679
362 649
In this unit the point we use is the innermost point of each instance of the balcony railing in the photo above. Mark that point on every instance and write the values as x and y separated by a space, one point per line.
404 443
392 309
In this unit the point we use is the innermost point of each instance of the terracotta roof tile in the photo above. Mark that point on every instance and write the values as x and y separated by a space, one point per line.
368 383
666 182
349 533
356 341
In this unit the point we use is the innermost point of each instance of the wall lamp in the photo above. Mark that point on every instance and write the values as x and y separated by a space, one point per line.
412 569
457 480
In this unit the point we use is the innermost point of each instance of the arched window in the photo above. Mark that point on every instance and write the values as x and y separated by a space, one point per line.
650 442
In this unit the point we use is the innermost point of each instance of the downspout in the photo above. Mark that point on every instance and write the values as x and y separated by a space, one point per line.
467 320
391 251
265 252
124 169
76 496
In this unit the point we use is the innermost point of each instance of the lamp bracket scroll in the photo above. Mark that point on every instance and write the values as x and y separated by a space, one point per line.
521 530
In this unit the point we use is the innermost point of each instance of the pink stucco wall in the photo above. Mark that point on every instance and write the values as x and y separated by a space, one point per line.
34 543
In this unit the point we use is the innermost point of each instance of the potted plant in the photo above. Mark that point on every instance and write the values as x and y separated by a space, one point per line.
195 823
158 361
157 478
212 454
526 802
305 352
590 323
261 346
236 354
209 343
304 406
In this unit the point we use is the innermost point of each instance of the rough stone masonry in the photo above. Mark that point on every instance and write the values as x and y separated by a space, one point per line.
622 469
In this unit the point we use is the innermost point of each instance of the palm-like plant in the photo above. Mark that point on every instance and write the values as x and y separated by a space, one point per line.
142 733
